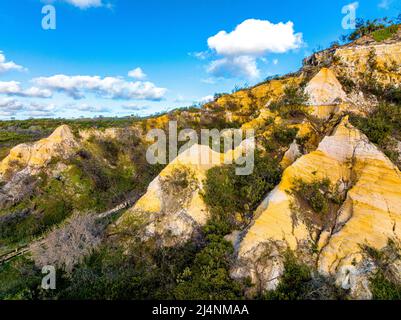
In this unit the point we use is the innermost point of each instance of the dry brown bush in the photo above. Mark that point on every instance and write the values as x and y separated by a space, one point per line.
69 245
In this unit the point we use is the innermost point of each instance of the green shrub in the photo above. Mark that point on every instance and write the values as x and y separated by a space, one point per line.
208 278
347 83
384 34
292 103
378 130
19 280
317 194
392 94
384 289
294 95
217 227
384 122
109 150
384 283
226 193
316 204
180 179
284 135
294 281
278 141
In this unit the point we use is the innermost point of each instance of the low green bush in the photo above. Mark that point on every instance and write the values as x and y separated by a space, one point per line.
284 135
179 180
19 280
318 194
227 194
294 281
383 123
384 283
386 33
208 278
292 103
384 289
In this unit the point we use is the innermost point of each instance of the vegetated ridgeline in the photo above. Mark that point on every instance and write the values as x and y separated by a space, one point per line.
337 201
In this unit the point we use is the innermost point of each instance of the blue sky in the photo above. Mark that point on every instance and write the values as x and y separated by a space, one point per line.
82 67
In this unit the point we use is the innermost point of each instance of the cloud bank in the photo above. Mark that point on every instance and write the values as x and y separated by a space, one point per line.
13 88
108 87
10 107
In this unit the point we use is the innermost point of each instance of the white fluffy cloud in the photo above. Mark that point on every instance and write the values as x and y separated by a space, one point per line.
137 74
108 87
238 67
8 65
240 49
256 37
13 88
84 4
